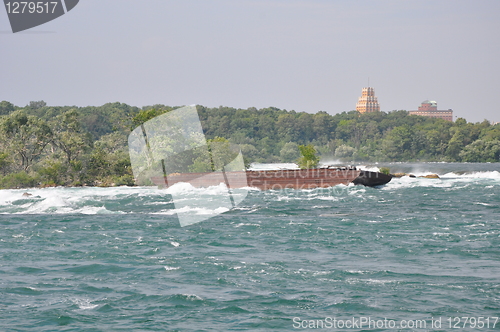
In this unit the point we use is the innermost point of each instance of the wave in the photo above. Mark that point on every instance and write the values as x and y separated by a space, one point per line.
453 181
473 175
455 175
117 200
194 210
62 200
369 168
491 175
183 188
207 201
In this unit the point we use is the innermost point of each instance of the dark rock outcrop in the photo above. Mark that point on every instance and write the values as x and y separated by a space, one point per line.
372 179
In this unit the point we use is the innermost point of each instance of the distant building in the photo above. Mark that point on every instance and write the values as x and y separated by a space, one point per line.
429 108
367 103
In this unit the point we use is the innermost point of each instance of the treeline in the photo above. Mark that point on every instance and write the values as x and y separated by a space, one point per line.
272 135
42 145
74 146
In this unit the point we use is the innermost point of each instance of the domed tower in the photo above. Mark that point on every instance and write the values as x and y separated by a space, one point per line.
367 102
428 105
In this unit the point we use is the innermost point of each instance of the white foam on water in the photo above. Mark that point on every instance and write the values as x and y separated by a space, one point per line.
383 282
7 196
206 201
193 211
61 200
84 304
246 224
329 198
484 204
251 189
193 297
368 168
48 204
180 188
474 175
183 188
450 180
170 268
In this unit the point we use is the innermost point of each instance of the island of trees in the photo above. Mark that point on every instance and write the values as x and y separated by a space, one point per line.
44 145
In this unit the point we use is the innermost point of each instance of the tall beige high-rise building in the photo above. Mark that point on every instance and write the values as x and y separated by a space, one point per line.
367 102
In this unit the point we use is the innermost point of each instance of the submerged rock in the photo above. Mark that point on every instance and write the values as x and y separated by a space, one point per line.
398 175
430 176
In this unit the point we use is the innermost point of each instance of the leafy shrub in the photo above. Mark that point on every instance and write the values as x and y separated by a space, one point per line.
385 170
18 180
125 180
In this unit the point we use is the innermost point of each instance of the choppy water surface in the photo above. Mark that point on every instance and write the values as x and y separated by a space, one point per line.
111 259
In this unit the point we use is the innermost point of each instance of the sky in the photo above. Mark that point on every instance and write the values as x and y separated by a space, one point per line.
302 55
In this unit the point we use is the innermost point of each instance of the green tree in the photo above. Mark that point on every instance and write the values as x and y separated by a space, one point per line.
309 159
286 128
54 173
463 134
322 127
25 136
99 166
491 133
69 135
250 153
37 104
481 151
4 162
217 157
145 115
18 180
6 108
344 152
437 141
109 161
289 152
398 143
460 122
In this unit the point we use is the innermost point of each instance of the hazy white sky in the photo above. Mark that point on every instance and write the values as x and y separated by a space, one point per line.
306 55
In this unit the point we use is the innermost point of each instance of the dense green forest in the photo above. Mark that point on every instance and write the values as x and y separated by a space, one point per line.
44 145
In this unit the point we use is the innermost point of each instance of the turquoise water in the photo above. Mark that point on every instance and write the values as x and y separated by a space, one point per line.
116 259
